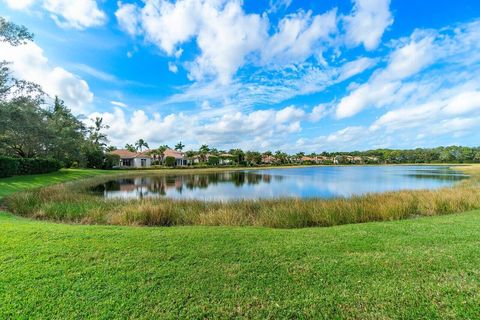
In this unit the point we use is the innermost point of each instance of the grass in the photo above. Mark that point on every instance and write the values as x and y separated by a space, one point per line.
427 268
21 183
72 203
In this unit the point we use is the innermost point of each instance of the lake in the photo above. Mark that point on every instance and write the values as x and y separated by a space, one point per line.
303 182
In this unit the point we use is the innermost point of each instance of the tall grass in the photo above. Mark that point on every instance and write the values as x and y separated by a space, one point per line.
70 202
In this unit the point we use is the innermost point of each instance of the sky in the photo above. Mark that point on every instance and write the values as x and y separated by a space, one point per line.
290 75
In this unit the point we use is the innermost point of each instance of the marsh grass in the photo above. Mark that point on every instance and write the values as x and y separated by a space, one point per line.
71 202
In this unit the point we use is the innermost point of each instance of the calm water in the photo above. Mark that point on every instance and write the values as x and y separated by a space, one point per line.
306 182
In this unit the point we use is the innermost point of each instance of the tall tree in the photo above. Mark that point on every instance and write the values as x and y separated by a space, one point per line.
130 147
179 146
97 137
14 34
140 144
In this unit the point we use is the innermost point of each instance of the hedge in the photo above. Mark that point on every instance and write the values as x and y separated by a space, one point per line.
21 166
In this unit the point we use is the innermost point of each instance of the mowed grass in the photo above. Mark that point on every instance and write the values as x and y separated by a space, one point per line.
426 268
20 183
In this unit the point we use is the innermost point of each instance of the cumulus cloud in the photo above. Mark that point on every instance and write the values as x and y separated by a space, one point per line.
256 129
299 36
78 14
30 63
413 56
224 33
368 22
228 38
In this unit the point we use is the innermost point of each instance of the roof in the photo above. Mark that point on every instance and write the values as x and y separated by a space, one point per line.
173 153
126 154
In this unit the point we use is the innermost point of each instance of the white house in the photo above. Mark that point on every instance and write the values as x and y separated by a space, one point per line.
130 159
180 158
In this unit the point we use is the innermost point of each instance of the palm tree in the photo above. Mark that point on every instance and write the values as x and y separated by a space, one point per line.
140 144
130 147
179 146
203 150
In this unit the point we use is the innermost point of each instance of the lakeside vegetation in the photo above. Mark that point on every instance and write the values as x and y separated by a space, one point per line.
73 202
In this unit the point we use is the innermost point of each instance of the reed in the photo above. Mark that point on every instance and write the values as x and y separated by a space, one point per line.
70 202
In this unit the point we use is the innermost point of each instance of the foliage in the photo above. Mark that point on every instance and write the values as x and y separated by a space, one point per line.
170 161
213 160
14 34
130 147
8 167
179 146
23 166
140 143
110 161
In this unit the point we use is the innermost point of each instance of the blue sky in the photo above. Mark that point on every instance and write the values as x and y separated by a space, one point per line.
264 75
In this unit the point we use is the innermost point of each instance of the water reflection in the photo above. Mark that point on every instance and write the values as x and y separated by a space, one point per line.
307 182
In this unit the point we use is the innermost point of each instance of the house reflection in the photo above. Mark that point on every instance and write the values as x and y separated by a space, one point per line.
143 186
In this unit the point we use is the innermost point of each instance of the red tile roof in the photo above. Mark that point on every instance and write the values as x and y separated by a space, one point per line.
125 154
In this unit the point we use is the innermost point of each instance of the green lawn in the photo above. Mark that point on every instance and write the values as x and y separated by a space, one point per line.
19 183
422 268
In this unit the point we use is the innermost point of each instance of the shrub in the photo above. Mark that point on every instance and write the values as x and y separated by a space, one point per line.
170 161
8 167
21 166
110 161
213 160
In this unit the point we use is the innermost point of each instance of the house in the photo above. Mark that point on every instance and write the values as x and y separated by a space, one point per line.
129 159
180 157
226 158
268 159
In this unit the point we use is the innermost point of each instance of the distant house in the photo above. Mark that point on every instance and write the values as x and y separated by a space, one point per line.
180 157
130 159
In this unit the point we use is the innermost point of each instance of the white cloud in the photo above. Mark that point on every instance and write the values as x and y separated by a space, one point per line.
318 112
172 67
224 128
299 36
224 33
463 103
119 104
368 22
19 4
78 14
127 17
385 86
29 63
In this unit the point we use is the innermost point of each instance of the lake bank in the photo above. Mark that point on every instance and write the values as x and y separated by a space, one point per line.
70 203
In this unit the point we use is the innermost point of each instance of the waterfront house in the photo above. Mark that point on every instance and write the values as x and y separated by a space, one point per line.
129 159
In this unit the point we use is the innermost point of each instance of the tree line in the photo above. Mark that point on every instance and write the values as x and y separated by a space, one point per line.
33 127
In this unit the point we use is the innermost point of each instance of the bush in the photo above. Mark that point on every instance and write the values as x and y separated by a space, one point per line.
170 161
8 167
21 166
110 161
213 160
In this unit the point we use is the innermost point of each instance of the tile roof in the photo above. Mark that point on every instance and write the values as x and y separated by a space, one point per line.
125 154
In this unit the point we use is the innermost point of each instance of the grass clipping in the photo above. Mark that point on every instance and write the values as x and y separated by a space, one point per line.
69 202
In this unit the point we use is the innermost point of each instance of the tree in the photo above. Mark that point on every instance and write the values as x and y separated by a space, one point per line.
130 147
67 134
179 146
24 129
170 161
98 138
14 34
140 144
203 151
